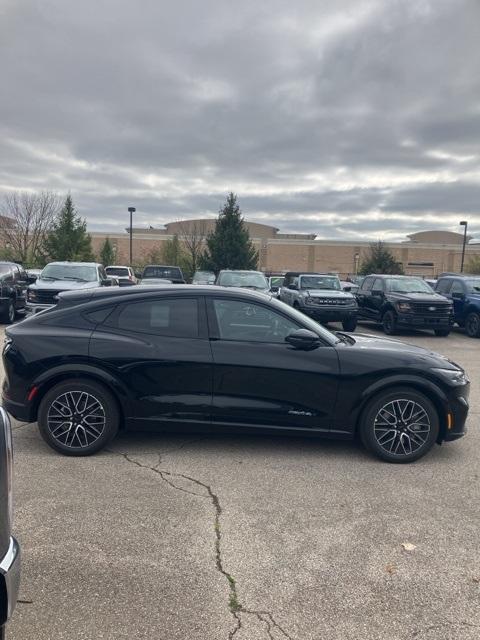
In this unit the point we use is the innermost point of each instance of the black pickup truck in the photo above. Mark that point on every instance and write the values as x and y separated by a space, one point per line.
404 302
9 549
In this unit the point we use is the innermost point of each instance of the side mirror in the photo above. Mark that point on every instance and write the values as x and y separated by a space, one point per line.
109 282
347 288
377 292
458 295
303 339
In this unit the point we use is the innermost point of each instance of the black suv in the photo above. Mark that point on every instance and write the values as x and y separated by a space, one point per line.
9 549
225 359
13 287
464 291
163 272
404 302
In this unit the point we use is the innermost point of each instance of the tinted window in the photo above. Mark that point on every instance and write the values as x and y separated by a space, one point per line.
457 287
100 315
473 285
320 282
170 273
408 285
176 317
243 279
251 322
79 272
377 285
443 286
367 284
118 271
5 268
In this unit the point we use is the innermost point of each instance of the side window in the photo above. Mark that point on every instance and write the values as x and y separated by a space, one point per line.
457 287
377 284
251 322
367 284
443 286
102 273
295 281
174 317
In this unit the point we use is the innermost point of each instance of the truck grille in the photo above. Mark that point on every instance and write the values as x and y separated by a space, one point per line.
330 301
46 297
431 309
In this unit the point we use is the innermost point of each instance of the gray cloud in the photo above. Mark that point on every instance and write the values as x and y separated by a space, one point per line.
341 118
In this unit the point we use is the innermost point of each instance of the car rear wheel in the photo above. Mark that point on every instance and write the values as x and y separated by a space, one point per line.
472 324
389 322
400 425
8 315
350 324
442 333
78 417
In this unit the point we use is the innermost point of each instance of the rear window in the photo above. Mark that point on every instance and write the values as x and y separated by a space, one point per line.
174 317
163 272
118 271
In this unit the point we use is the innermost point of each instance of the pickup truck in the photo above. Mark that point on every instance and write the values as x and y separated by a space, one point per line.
320 296
464 292
9 549
403 302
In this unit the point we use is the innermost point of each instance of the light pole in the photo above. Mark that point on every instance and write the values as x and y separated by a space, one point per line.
356 258
464 224
131 211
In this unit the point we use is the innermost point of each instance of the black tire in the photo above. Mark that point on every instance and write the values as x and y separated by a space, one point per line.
70 399
389 323
472 324
350 324
442 333
8 316
386 436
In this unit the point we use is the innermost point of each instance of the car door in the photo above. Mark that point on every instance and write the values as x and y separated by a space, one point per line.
261 381
159 350
20 284
377 299
457 295
363 298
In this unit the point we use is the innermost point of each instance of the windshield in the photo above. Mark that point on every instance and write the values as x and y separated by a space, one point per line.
118 271
83 272
473 285
320 282
204 276
237 279
4 268
408 285
163 272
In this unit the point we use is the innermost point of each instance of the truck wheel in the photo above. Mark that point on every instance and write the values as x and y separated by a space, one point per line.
9 314
389 322
399 425
442 333
296 305
78 417
472 324
350 324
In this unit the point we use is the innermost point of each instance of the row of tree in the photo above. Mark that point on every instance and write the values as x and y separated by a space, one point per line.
40 227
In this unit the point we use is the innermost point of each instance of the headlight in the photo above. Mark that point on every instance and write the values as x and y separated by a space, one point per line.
309 301
455 376
404 307
31 296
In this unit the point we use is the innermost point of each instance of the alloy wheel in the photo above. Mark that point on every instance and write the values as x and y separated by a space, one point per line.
11 312
76 419
401 427
473 325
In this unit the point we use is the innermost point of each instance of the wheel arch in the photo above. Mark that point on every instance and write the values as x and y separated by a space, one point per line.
430 390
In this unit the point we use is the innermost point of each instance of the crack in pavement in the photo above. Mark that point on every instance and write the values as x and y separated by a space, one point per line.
236 609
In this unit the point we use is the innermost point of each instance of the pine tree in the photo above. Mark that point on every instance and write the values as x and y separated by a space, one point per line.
107 253
380 260
229 246
68 239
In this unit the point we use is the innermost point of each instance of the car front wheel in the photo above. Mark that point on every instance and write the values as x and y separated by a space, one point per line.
389 322
350 324
400 425
78 417
472 324
9 313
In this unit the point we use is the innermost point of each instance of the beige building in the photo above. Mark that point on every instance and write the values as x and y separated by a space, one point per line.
426 253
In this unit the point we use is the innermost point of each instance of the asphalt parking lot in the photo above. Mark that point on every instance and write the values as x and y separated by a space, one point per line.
172 537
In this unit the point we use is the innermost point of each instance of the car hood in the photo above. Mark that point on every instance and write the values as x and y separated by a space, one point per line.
61 285
398 352
418 297
326 293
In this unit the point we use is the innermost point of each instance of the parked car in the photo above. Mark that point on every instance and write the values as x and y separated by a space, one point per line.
124 275
166 272
203 277
152 282
404 302
64 276
320 296
183 356
13 288
464 292
9 549
255 280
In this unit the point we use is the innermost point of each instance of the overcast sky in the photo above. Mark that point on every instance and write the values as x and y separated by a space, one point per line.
347 119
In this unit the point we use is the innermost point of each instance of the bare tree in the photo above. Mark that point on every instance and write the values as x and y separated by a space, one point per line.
192 236
25 220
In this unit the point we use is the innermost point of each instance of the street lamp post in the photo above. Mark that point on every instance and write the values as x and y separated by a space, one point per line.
356 258
464 224
131 211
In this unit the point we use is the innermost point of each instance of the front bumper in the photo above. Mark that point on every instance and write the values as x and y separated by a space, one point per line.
458 407
330 314
33 308
9 580
412 320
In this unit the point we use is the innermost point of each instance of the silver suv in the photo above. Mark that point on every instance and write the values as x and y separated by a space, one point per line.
320 296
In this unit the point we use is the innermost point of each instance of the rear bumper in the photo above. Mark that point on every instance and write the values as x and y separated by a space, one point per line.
9 580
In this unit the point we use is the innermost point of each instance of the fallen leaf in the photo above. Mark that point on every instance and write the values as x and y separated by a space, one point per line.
391 568
476 580
408 546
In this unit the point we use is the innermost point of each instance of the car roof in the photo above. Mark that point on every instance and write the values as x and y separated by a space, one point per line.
75 264
309 273
8 262
163 266
241 271
391 275
118 294
118 266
